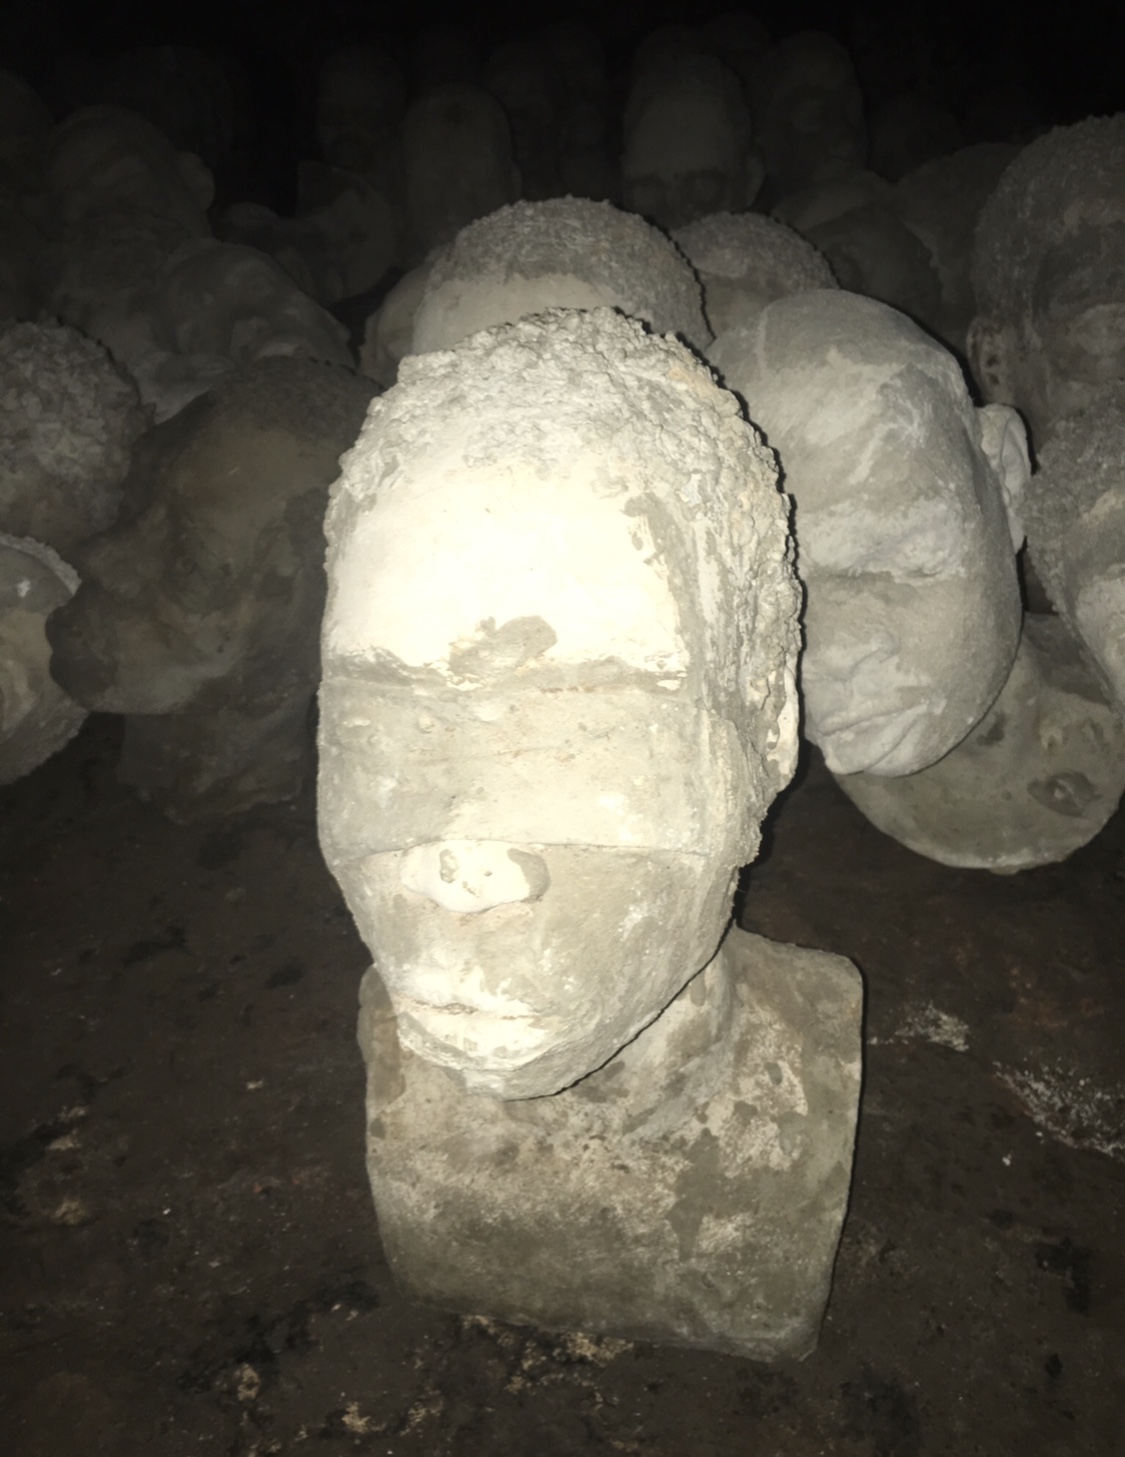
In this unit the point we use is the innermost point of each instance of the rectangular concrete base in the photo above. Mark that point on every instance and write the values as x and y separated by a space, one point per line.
690 1192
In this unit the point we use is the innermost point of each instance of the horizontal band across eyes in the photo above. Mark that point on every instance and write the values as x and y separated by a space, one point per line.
618 767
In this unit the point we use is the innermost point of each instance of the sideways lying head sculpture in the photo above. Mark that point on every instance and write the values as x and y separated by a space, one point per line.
198 613
558 693
906 521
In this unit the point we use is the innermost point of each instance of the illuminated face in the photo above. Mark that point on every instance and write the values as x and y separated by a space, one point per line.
912 608
532 811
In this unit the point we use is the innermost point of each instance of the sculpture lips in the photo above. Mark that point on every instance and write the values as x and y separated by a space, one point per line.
877 743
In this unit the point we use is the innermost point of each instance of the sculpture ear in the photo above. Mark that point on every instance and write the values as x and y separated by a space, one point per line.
197 176
754 174
1003 439
991 347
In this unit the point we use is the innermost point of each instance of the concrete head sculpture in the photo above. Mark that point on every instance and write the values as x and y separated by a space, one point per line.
745 261
458 157
557 693
1034 781
1076 534
360 103
68 420
229 300
36 717
904 546
527 80
197 617
100 274
688 149
808 113
564 253
1049 276
104 158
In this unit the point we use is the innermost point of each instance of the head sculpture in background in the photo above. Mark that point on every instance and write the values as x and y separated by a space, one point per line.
1076 534
1049 276
688 143
905 545
558 694
226 299
360 103
745 261
808 113
458 158
198 613
567 252
106 158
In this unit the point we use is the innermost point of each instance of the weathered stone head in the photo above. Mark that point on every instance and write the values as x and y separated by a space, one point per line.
229 300
526 79
458 157
904 542
808 112
1049 276
104 158
1076 534
557 696
745 261
68 420
198 612
567 252
687 144
360 103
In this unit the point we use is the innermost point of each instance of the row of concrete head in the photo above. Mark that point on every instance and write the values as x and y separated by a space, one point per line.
1048 340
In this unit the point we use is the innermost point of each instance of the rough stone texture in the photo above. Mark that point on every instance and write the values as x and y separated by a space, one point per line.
564 253
100 274
1046 271
68 420
558 655
36 716
1076 535
904 545
940 202
690 1192
1036 780
745 261
687 142
198 613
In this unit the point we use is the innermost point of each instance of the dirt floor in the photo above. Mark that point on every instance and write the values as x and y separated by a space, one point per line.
190 1259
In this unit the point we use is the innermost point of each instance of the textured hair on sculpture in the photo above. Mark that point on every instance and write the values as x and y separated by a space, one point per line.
489 393
68 419
735 245
630 264
1058 184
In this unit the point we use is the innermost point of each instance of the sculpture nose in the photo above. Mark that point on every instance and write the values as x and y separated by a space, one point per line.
471 876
